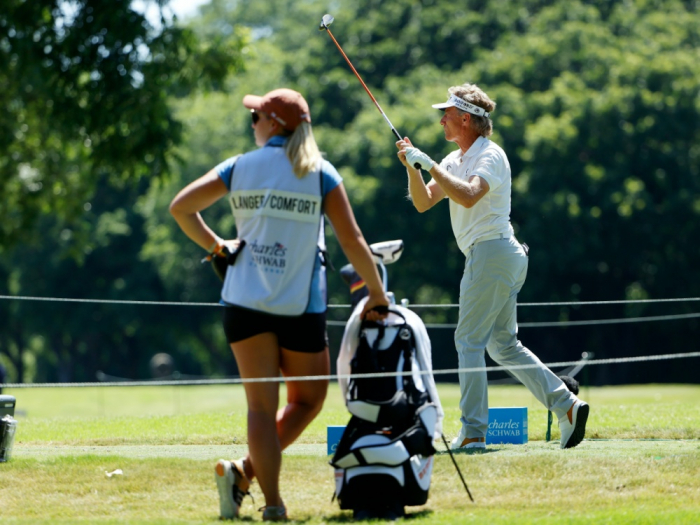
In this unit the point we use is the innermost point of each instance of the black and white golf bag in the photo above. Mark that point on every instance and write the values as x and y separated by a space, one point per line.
384 460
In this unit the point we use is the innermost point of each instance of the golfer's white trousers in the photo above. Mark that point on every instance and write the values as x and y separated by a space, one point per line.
494 273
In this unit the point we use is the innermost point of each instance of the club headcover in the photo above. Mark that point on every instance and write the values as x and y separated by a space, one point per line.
358 288
570 383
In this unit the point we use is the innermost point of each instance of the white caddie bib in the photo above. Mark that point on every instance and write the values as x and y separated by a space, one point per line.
279 216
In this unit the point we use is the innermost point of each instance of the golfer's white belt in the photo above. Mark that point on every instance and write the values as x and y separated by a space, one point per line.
493 237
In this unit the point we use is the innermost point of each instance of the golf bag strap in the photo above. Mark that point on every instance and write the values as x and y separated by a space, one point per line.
352 386
375 411
326 260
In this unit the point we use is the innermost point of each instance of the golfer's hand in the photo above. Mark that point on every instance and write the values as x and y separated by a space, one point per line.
374 300
403 145
417 158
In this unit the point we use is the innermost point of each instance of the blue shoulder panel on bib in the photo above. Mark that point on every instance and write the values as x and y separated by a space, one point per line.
331 177
225 170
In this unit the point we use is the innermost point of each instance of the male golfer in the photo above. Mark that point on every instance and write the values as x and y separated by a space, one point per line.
476 179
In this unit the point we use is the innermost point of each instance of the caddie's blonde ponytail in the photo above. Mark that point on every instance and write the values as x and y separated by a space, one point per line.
302 150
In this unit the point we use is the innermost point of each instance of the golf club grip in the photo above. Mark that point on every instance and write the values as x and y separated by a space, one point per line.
416 165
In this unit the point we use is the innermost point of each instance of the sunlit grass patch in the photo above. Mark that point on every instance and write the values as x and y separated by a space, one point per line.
641 467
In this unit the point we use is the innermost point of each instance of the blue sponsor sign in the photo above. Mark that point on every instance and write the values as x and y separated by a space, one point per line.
507 425
333 435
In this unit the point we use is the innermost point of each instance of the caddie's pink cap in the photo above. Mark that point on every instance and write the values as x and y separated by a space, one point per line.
286 106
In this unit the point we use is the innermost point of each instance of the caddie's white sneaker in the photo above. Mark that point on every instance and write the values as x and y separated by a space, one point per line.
233 485
573 424
271 513
462 443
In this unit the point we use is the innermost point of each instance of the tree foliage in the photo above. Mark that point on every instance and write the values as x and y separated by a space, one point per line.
84 90
87 120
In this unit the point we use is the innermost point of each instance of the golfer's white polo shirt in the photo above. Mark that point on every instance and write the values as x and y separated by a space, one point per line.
489 217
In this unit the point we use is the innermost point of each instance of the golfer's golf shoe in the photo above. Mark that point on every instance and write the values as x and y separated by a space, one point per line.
573 424
461 442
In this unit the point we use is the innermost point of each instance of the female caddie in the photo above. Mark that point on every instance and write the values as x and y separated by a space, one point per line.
274 293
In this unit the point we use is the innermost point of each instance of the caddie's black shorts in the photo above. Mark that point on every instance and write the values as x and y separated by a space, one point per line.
301 333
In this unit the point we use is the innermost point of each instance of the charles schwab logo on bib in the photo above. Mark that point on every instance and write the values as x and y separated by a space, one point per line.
272 257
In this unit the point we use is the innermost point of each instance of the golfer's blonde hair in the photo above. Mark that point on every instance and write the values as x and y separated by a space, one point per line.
302 150
474 95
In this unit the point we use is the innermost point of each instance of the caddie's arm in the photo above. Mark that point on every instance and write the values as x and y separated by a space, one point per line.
466 193
194 198
423 196
338 210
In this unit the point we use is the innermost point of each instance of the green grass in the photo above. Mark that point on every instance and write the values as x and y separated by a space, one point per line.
642 465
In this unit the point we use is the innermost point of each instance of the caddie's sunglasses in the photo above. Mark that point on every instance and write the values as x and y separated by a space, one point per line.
255 116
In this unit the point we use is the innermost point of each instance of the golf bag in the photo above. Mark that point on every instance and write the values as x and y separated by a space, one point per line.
8 427
384 459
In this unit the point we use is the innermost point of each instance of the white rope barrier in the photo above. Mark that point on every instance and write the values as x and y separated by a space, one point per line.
224 381
612 321
450 305
566 323
544 324
100 301
239 380
576 303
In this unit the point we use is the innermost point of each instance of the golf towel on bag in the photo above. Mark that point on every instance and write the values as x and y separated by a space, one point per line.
386 451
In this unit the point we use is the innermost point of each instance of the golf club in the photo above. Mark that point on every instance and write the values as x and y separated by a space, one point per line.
457 467
325 22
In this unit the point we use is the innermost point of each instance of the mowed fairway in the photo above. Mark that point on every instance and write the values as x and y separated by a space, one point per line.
640 465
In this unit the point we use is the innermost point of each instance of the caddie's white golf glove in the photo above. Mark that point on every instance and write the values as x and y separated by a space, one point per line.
415 156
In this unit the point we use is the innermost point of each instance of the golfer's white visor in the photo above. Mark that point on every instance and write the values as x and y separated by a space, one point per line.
458 103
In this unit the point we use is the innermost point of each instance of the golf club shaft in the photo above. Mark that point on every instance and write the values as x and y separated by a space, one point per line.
363 84
457 467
